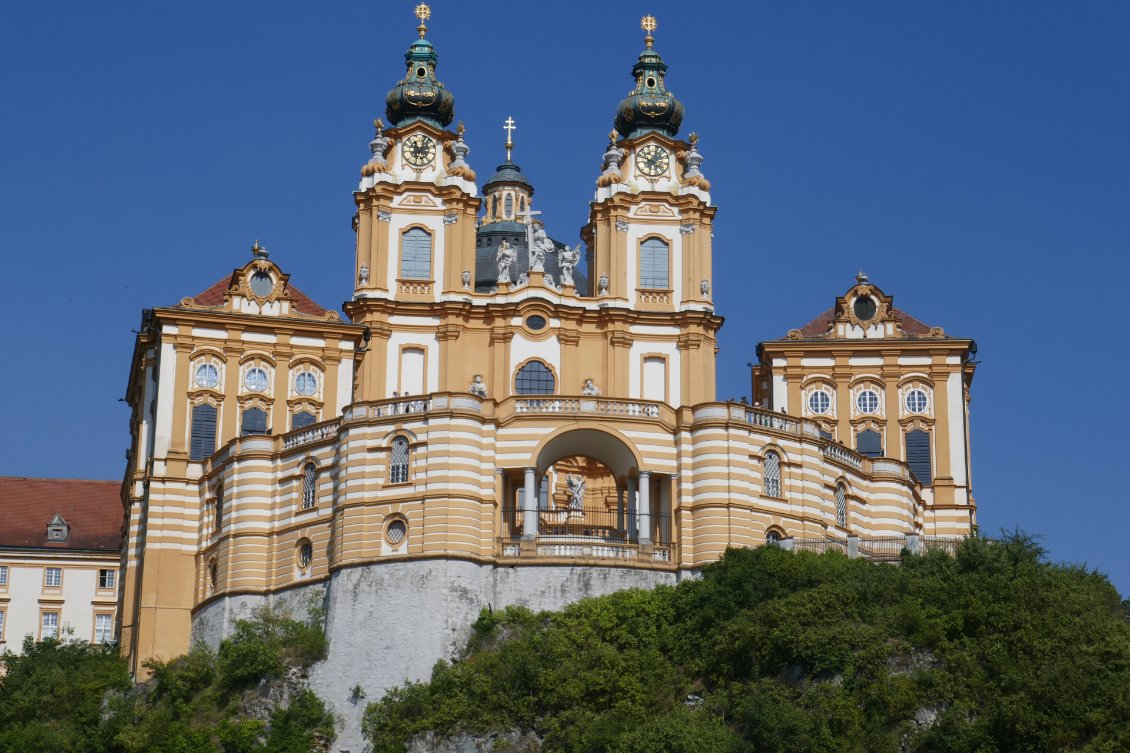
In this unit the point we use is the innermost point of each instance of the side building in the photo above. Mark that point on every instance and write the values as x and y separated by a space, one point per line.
60 551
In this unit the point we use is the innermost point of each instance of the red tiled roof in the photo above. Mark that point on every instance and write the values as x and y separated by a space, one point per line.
214 296
820 325
92 509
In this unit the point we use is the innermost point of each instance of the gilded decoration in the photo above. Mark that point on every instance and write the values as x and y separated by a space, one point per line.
882 311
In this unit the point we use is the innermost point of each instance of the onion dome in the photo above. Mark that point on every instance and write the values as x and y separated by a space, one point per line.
649 107
419 95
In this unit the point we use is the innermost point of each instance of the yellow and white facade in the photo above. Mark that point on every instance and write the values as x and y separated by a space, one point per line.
533 441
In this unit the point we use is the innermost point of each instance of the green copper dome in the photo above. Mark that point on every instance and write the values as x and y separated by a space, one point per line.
419 96
649 107
508 172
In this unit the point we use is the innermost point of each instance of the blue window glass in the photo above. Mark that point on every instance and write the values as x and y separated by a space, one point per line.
203 441
918 455
870 443
534 378
654 264
416 255
254 422
301 418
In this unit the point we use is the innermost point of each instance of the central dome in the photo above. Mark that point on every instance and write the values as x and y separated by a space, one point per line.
419 95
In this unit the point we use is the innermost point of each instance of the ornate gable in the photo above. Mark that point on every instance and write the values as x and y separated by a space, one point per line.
864 312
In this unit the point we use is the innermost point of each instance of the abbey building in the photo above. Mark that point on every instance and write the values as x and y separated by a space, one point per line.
500 417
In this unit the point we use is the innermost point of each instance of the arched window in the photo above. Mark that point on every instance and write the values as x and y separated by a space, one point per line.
772 537
841 505
494 208
213 575
508 205
305 554
521 203
302 418
254 422
309 486
398 461
654 264
772 474
534 378
218 508
918 455
870 443
416 254
203 442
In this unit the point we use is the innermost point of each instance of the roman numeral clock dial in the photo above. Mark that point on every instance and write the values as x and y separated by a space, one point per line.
652 160
419 150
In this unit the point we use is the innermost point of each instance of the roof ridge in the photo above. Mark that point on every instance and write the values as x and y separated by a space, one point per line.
53 478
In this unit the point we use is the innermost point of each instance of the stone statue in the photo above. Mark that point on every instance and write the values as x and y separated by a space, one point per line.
692 176
567 258
576 487
378 146
539 248
602 285
611 164
704 288
478 386
467 279
590 389
459 150
523 279
504 258
363 275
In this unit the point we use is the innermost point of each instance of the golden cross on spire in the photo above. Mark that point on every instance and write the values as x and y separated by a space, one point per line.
423 12
509 127
648 24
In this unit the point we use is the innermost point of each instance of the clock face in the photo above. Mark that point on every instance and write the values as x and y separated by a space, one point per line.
652 160
419 150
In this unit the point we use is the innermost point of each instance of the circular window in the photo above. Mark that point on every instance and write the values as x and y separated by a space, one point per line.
650 82
867 401
207 375
255 379
305 554
819 402
421 71
864 308
535 322
916 401
262 284
306 383
396 531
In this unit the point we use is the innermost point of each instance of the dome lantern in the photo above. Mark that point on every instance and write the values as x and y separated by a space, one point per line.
419 95
649 106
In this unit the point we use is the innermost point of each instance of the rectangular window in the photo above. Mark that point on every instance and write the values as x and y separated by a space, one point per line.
3 575
1 625
203 442
53 577
412 371
416 255
918 455
107 578
654 265
50 626
103 628
655 378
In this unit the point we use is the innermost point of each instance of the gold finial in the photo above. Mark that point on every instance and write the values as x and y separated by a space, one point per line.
509 127
460 128
692 138
423 12
613 135
648 24
258 251
379 125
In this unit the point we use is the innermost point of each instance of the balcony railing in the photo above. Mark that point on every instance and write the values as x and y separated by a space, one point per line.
308 434
841 454
874 548
596 525
588 405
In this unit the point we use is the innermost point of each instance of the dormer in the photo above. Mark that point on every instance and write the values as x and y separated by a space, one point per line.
864 312
58 530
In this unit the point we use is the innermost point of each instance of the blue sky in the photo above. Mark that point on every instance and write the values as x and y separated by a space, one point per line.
972 157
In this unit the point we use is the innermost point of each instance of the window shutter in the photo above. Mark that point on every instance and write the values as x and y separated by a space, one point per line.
918 455
203 442
254 421
301 419
870 443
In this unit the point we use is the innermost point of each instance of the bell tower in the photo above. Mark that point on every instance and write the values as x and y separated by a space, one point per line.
415 223
650 226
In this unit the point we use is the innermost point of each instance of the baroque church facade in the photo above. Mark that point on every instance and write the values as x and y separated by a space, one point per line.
503 418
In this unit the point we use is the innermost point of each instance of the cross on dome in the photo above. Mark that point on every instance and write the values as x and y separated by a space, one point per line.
509 127
649 24
423 12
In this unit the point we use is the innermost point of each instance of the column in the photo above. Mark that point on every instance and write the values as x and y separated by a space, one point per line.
620 508
530 505
665 510
645 507
633 532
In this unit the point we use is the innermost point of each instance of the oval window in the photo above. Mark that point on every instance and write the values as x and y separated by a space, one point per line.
864 308
536 322
261 284
396 532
